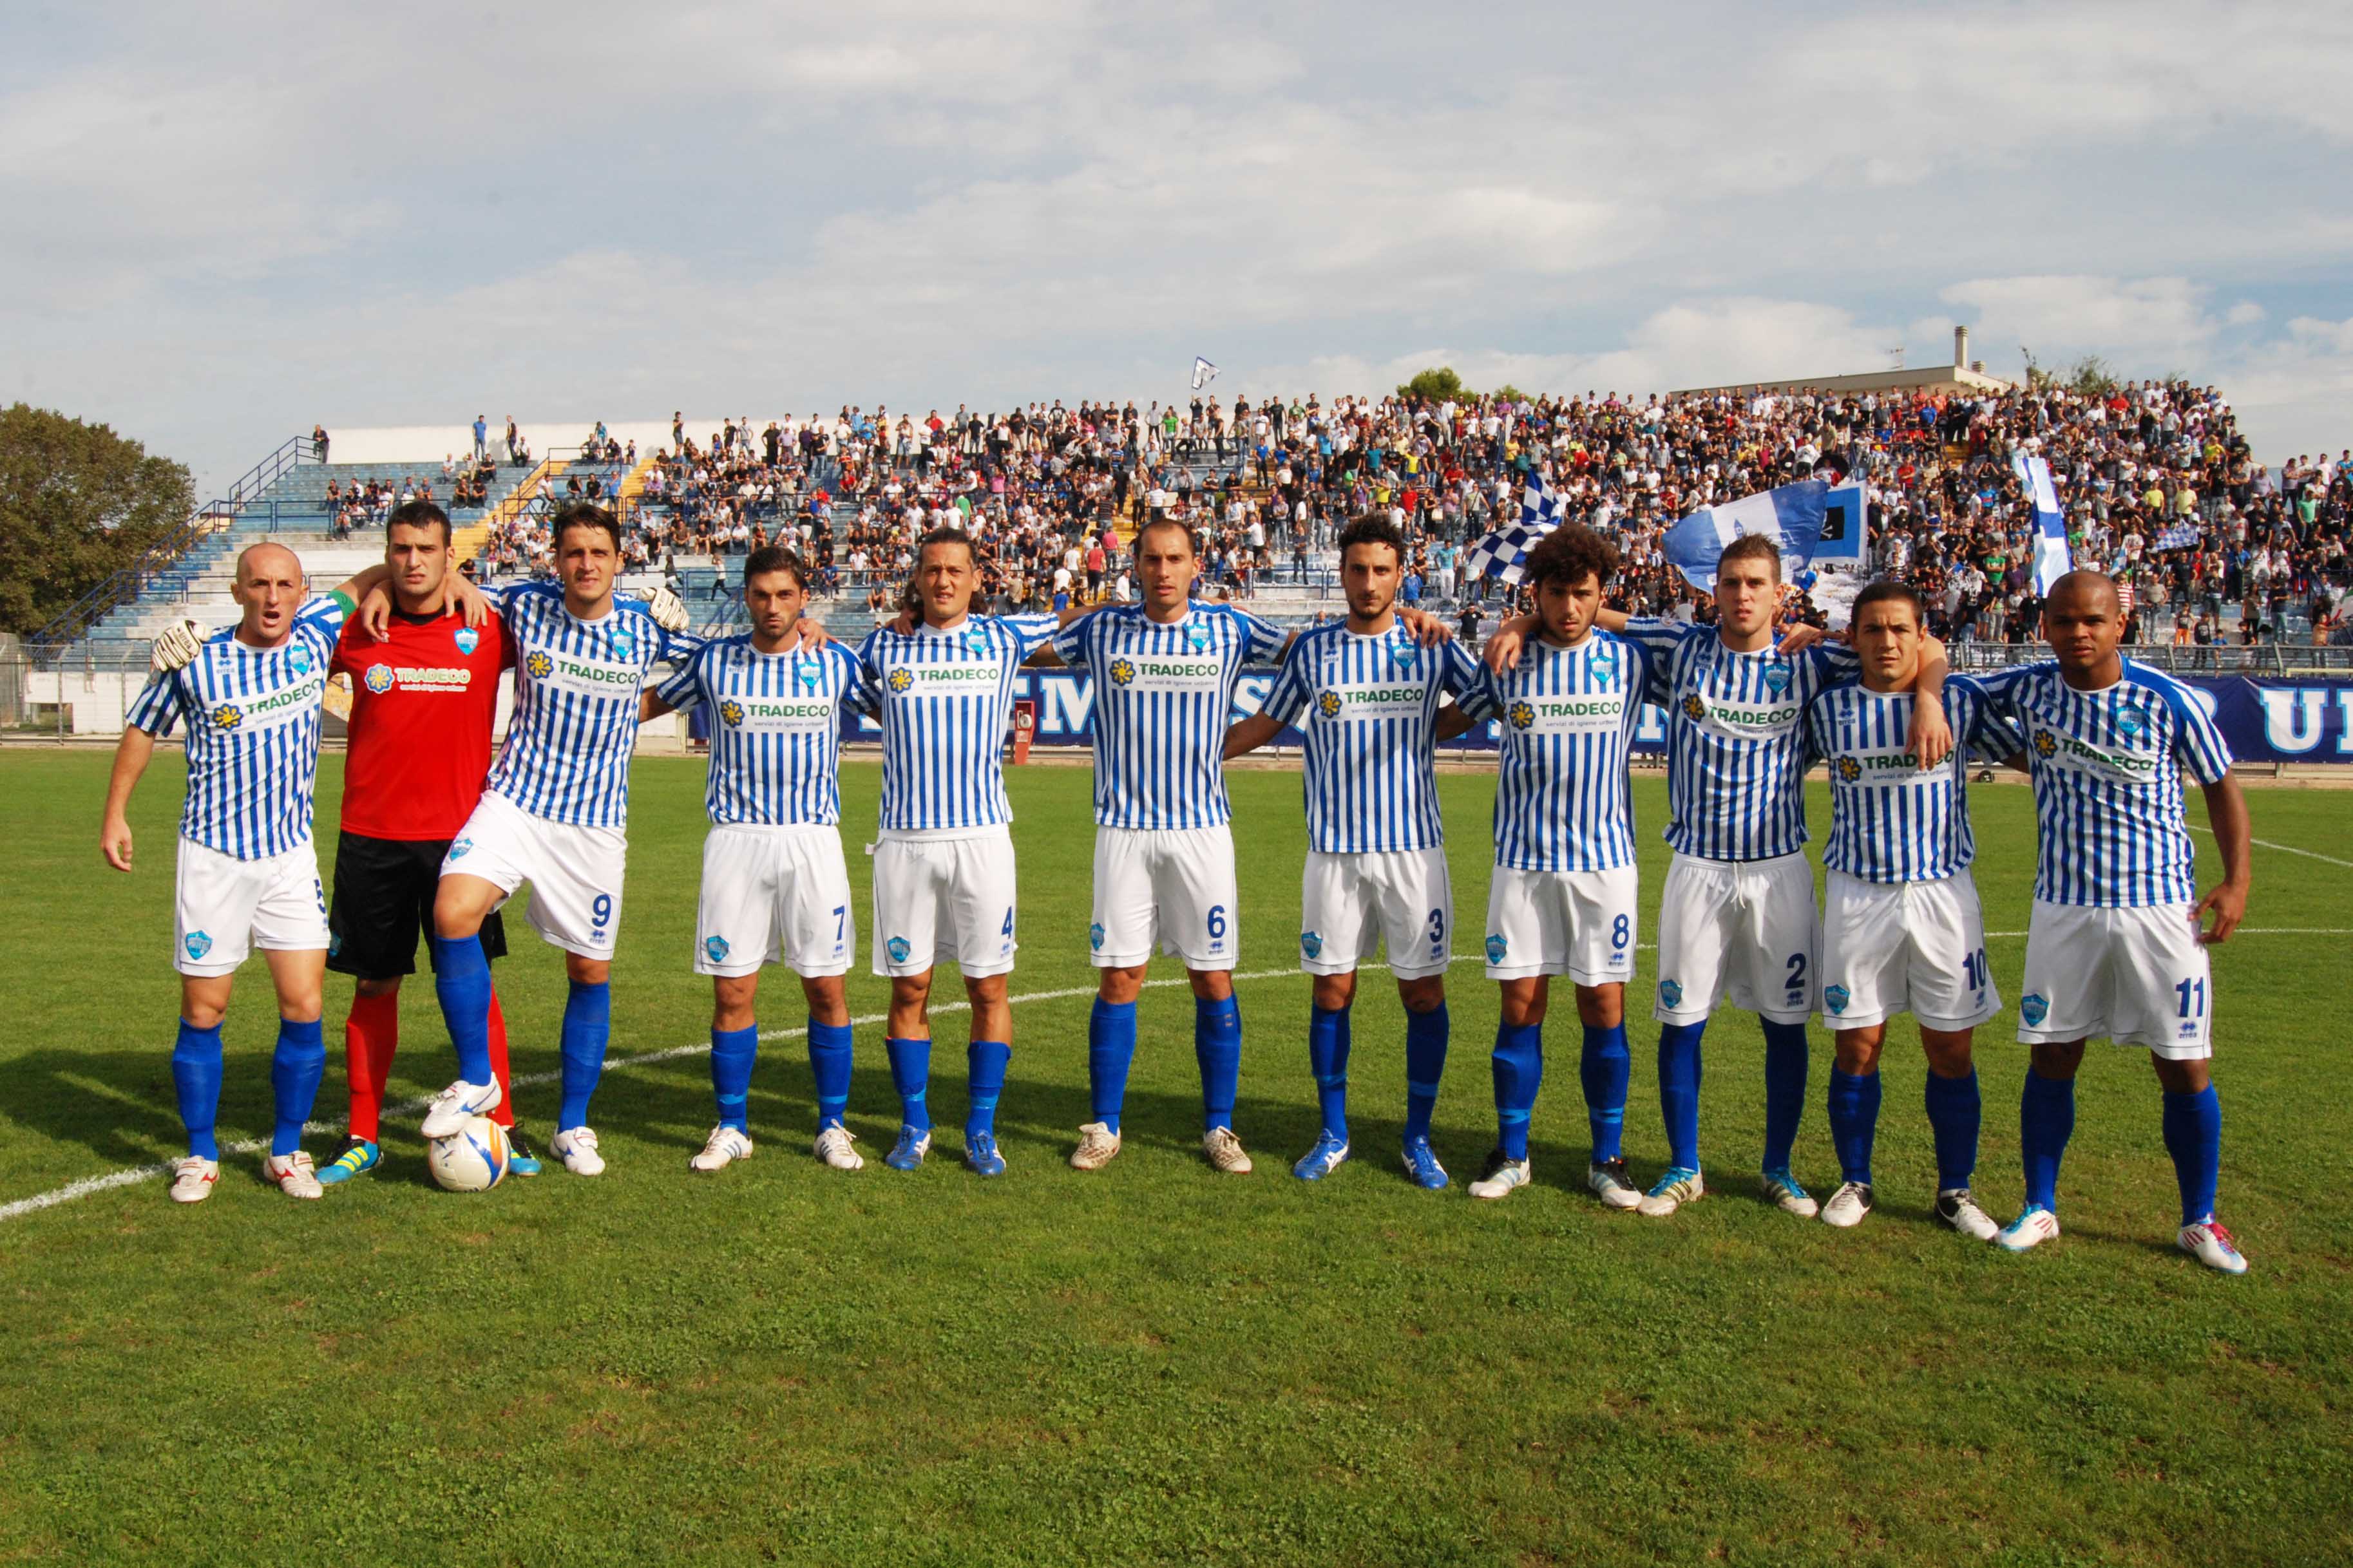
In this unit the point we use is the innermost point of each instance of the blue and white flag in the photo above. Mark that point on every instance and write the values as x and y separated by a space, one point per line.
2181 536
2051 560
1792 515
1204 372
1845 526
1505 551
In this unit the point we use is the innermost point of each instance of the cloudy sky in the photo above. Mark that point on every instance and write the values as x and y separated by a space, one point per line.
229 221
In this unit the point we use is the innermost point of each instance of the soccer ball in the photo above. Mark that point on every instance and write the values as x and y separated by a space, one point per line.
472 1160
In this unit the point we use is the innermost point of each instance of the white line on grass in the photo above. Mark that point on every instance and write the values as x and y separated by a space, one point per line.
2283 849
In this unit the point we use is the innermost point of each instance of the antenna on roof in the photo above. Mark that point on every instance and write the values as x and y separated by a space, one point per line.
1898 354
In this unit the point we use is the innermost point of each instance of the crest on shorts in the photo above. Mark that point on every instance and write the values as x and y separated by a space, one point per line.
1496 947
468 639
1328 705
335 943
1777 676
625 643
1836 997
716 946
1849 769
460 848
1123 671
2034 1007
199 943
901 679
1095 936
1694 708
539 667
378 678
898 948
229 716
1671 993
2046 744
730 714
1522 715
1310 943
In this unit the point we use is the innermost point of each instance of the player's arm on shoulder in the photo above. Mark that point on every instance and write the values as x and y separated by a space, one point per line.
1427 629
1504 644
130 757
1931 739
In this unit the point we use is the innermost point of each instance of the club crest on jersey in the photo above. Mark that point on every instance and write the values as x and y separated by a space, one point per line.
2129 722
1496 947
1122 672
1603 667
1328 705
1849 769
976 640
299 661
1671 993
1404 654
730 714
809 672
227 716
1095 936
1836 997
378 678
2034 1007
199 943
1310 943
716 946
625 643
1197 638
468 639
460 848
1777 677
1522 715
900 679
898 948
539 667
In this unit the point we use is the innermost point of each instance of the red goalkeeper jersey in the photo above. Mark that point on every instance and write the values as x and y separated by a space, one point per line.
422 705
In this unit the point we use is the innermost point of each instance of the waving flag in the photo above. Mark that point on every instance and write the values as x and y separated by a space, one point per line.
2051 560
2181 536
1792 515
1204 372
1505 551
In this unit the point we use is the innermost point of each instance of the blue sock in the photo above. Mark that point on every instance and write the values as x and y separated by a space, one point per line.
1425 1064
1679 1071
1110 1048
1218 1047
294 1072
2193 1136
1518 1062
196 1075
733 1052
1605 1066
1327 1058
1855 1122
587 1027
461 979
984 1063
1953 1113
1784 1089
911 1075
2046 1119
829 1060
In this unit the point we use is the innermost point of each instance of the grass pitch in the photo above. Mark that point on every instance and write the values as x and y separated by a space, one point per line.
1155 1363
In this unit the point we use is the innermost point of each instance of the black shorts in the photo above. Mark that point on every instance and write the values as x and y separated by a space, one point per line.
384 902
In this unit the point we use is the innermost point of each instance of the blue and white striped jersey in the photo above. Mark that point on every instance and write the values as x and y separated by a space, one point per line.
253 732
566 756
1891 819
1368 707
944 696
1569 716
1736 738
775 729
2107 781
1162 697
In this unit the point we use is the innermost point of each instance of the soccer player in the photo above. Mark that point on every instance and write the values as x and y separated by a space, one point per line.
944 873
774 885
553 814
249 870
1736 918
1901 931
1377 849
2116 942
423 703
1562 898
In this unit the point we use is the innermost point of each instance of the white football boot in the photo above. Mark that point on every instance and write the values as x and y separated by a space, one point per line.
192 1179
1225 1152
295 1174
722 1148
1502 1177
833 1147
1957 1209
1606 1180
576 1147
2212 1246
1670 1191
2034 1225
1848 1204
447 1113
1781 1189
1097 1145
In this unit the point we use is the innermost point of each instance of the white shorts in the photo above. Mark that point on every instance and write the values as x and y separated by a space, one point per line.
575 872
1349 902
2138 976
1744 931
945 901
1174 887
1905 947
222 908
1578 923
772 893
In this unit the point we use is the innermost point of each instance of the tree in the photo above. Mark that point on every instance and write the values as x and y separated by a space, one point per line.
1507 393
1438 384
77 503
2088 377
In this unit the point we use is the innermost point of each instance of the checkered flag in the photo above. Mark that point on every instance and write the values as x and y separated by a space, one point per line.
1505 551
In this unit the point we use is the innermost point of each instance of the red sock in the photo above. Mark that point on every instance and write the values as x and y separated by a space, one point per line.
371 1035
503 1113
